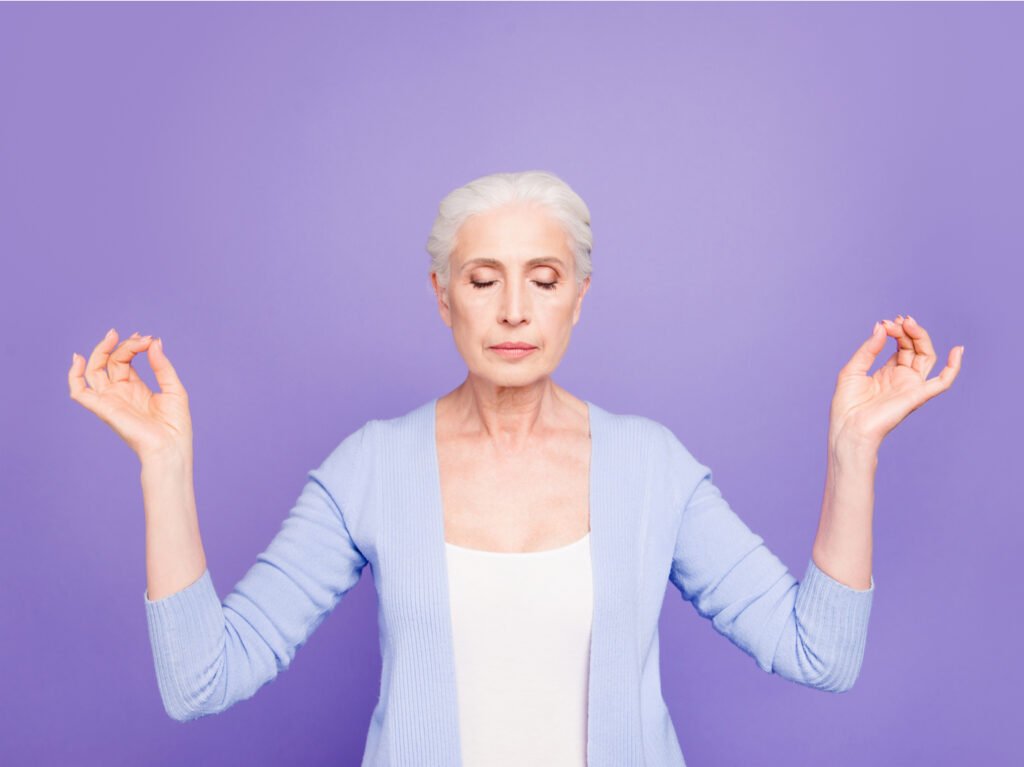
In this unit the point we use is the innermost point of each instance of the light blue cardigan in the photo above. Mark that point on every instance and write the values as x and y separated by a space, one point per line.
376 499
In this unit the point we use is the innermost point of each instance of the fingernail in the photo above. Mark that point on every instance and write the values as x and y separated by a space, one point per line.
109 333
911 318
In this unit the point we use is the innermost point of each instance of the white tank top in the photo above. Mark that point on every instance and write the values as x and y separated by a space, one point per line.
521 629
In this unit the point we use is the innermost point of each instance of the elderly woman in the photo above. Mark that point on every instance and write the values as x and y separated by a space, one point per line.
519 537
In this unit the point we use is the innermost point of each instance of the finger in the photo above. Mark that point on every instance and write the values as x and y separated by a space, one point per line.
905 346
945 378
862 360
925 358
166 375
76 381
80 393
119 366
115 363
96 367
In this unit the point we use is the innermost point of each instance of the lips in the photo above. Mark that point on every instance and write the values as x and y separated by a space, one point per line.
518 345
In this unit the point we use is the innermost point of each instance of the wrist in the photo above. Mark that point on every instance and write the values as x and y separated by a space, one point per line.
848 441
849 454
174 456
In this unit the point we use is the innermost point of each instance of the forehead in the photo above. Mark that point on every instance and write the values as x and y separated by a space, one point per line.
512 234
537 261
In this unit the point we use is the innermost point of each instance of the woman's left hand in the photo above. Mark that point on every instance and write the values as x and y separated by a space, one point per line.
866 408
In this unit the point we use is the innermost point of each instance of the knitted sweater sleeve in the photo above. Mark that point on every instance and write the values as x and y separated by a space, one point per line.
812 632
210 654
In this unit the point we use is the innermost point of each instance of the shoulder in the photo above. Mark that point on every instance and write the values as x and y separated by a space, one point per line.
345 457
412 428
638 435
408 430
634 426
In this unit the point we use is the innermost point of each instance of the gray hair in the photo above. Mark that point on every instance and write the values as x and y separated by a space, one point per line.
498 189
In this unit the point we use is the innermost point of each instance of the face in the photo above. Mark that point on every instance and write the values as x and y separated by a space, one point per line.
511 279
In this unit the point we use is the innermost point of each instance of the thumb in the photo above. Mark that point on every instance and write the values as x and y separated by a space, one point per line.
862 360
164 371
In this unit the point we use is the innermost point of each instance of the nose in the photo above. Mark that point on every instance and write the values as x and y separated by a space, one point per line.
513 303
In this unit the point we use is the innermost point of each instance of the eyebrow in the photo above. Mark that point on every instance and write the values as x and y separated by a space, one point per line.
495 262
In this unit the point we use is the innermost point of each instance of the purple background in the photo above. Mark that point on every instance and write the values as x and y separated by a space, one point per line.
255 184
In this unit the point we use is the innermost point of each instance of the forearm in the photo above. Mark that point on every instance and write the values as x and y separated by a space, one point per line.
174 549
843 544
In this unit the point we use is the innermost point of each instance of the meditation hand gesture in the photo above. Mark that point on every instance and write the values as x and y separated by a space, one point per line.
866 408
151 423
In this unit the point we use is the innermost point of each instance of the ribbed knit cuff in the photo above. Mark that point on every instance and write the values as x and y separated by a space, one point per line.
186 632
826 582
834 618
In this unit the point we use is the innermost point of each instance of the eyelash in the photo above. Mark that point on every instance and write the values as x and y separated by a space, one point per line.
542 285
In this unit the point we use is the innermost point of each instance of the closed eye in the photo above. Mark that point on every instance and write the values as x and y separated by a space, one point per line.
543 285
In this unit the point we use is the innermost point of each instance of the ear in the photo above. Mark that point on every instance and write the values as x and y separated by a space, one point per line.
442 299
579 300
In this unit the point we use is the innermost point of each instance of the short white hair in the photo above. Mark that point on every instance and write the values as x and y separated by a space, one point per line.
495 190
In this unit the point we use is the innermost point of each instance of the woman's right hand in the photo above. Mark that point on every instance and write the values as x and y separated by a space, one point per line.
151 423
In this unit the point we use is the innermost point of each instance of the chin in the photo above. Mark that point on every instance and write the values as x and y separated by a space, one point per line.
502 376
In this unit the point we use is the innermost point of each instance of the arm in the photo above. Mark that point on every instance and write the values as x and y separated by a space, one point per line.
812 632
864 409
174 548
843 546
210 654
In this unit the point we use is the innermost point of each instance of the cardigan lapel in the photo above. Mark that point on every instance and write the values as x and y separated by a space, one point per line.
422 711
614 735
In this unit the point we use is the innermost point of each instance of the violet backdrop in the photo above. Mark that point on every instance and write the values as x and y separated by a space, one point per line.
255 184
